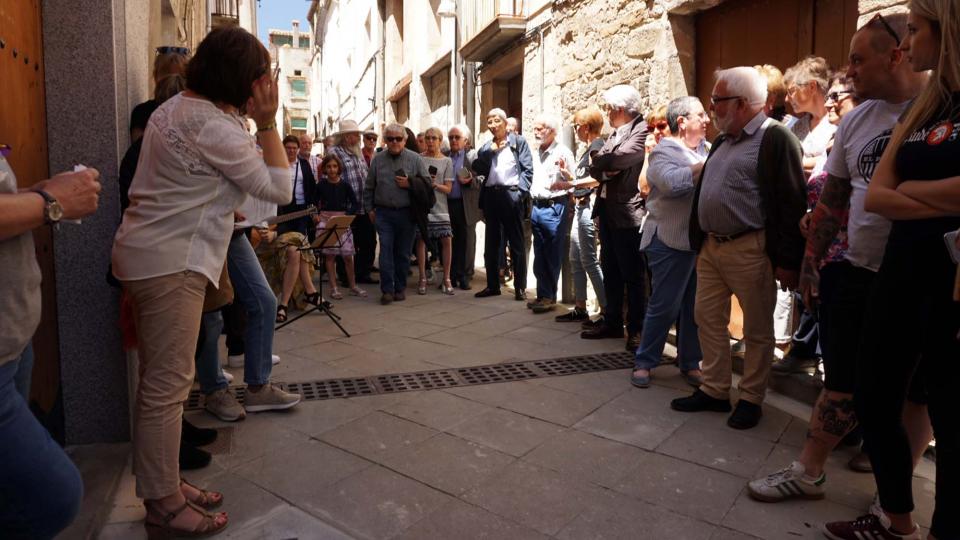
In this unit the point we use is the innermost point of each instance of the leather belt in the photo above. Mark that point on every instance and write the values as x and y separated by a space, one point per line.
549 203
724 238
503 188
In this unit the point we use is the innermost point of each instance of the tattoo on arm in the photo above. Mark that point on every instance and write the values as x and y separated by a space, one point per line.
828 216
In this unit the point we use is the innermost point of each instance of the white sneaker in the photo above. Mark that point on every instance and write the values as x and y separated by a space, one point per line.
236 361
228 376
787 483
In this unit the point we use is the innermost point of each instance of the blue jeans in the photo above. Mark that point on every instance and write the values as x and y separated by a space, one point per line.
672 295
550 230
254 294
209 372
40 488
396 230
583 256
24 371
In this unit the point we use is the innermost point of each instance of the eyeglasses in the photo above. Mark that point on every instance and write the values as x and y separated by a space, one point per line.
393 139
661 125
370 137
431 138
454 137
173 50
837 97
887 27
720 99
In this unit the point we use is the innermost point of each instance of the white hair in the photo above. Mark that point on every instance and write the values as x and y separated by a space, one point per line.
623 96
746 82
463 129
498 112
396 128
550 121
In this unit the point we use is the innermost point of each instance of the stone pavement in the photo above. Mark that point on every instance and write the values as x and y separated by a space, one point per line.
581 456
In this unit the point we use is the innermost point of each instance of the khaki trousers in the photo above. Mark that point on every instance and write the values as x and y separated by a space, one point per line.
167 312
740 267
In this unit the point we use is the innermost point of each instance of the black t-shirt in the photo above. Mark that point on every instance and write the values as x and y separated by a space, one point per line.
336 197
931 153
583 167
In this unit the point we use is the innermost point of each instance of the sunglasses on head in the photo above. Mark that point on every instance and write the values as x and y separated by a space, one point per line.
393 139
173 50
887 27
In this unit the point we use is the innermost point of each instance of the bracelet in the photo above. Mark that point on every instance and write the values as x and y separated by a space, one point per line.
269 127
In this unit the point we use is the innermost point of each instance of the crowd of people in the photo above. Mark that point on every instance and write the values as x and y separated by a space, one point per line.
838 210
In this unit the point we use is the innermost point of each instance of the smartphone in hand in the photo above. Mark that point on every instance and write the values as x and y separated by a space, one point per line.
432 170
399 172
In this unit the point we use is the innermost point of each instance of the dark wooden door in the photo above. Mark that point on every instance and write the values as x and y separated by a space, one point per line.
23 126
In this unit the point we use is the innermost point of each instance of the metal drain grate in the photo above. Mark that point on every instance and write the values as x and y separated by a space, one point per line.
445 378
495 373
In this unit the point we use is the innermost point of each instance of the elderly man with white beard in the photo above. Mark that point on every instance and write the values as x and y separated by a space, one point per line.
354 173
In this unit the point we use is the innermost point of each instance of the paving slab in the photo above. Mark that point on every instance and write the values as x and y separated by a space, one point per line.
376 434
602 384
536 497
285 521
447 463
375 503
463 521
586 457
684 487
631 519
640 417
771 428
724 449
506 431
796 519
438 410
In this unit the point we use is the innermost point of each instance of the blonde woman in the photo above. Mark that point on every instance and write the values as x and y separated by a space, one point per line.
440 168
911 326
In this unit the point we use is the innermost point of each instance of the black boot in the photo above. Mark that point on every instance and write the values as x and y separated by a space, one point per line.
192 457
195 436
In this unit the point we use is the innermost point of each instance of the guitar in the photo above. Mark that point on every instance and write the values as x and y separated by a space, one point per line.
274 220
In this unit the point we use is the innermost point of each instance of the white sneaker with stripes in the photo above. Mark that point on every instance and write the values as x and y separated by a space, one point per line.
787 483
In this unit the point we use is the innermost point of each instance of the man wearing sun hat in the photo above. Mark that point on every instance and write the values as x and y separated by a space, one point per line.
348 149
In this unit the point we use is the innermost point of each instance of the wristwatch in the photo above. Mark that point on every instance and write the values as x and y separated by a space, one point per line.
52 211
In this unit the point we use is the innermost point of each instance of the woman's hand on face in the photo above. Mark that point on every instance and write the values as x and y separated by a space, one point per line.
264 101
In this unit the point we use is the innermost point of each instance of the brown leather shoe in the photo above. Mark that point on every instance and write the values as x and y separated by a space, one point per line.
633 342
602 332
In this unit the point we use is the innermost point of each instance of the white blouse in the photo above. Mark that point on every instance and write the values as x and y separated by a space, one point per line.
196 167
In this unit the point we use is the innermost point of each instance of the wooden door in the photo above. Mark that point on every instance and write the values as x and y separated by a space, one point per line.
23 126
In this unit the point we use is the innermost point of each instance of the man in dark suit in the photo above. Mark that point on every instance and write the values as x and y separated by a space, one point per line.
304 191
620 208
507 165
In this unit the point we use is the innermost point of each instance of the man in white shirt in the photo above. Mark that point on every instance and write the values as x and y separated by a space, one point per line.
550 214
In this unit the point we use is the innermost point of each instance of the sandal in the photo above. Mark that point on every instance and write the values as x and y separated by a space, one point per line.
422 288
357 291
447 287
312 298
281 313
207 500
207 527
335 294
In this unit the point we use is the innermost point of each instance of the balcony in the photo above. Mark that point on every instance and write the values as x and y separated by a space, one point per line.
225 13
490 26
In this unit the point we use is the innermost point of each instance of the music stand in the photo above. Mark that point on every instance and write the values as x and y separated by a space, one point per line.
327 237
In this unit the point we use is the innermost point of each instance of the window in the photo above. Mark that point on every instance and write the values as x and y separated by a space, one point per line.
298 87
298 123
280 41
297 73
304 42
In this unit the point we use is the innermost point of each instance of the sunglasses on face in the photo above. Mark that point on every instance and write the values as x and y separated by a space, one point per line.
455 137
173 50
431 138
370 137
715 100
837 97
661 125
393 139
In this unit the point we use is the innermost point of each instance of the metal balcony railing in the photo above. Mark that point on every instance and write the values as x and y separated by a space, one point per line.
477 15
227 9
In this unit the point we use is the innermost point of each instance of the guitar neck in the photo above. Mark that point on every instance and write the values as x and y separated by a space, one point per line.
309 211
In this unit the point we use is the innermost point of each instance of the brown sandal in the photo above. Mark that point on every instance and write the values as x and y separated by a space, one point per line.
162 531
208 500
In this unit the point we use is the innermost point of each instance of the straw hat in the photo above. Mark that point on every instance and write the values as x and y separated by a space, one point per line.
347 126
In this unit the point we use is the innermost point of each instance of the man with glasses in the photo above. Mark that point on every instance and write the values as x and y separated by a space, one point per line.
619 208
347 148
507 165
464 204
369 145
744 222
550 215
386 199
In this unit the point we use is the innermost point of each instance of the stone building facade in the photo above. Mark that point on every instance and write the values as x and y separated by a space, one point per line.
558 56
290 50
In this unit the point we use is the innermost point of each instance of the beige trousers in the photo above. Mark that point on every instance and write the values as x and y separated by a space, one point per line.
740 267
167 311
